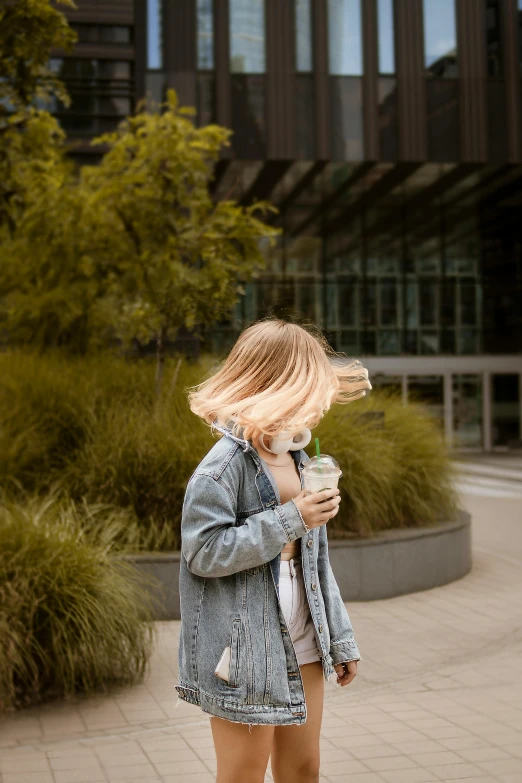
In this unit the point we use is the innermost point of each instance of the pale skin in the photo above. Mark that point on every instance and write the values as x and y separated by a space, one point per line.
243 754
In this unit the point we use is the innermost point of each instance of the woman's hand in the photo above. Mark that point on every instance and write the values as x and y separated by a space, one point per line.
317 508
345 672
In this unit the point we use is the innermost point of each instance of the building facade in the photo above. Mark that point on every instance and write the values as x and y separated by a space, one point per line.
98 74
389 135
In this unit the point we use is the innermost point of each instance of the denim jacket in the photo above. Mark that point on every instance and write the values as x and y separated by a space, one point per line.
233 530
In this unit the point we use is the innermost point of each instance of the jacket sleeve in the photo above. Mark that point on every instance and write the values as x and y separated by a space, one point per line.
343 647
213 545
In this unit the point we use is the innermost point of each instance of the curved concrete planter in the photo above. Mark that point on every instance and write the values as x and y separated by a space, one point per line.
390 564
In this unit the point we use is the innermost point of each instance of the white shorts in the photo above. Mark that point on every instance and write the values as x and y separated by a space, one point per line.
296 611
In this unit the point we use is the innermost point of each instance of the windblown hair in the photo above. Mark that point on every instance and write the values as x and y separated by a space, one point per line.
278 376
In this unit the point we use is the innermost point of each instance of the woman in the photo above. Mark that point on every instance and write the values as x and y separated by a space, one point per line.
263 622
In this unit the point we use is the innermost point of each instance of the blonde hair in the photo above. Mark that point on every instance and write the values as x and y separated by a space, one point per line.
278 376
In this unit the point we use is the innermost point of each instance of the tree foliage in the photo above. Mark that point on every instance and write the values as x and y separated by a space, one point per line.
32 164
134 247
31 141
180 258
29 31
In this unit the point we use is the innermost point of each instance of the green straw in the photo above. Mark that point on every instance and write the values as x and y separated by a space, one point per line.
318 452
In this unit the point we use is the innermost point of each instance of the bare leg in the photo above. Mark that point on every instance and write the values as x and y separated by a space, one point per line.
242 755
295 753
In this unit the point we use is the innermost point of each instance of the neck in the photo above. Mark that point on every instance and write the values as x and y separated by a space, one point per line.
274 459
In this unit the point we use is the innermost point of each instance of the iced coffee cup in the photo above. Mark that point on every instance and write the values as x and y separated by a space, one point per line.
321 473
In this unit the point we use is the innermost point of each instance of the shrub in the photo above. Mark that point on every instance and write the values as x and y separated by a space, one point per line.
139 456
44 415
397 475
72 616
93 428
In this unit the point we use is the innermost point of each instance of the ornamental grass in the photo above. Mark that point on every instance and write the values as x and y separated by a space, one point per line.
73 617
396 467
92 429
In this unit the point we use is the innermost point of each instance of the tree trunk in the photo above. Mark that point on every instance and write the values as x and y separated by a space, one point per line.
160 360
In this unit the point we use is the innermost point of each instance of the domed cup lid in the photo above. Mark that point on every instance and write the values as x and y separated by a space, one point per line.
322 466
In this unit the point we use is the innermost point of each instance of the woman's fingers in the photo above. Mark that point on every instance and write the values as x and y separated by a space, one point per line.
346 672
324 494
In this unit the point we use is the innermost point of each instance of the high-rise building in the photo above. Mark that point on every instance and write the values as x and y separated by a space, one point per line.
389 135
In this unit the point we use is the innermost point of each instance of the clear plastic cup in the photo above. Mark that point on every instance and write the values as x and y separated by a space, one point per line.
321 473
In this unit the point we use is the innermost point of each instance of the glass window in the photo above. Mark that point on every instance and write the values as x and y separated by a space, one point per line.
520 34
429 390
440 38
497 126
154 35
388 302
113 34
205 35
305 107
388 118
205 99
443 120
247 36
493 38
505 409
386 37
467 411
303 32
346 118
248 116
345 39
102 33
113 69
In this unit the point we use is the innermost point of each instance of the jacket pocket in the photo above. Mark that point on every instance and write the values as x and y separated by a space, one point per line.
235 652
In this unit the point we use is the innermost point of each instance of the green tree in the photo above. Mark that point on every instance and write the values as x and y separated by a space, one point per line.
136 246
178 257
31 142
29 31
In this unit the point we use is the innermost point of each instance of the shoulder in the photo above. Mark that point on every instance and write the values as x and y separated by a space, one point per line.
225 457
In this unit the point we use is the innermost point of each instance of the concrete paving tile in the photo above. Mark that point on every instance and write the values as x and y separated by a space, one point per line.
503 766
449 732
375 751
462 743
455 771
180 767
415 775
33 763
435 759
205 754
142 780
393 737
74 762
134 772
420 746
335 754
513 750
506 738
330 768
388 763
87 775
27 777
484 754
202 777
178 754
359 741
357 777
117 759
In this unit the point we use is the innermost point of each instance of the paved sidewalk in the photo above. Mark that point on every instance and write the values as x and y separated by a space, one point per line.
438 698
